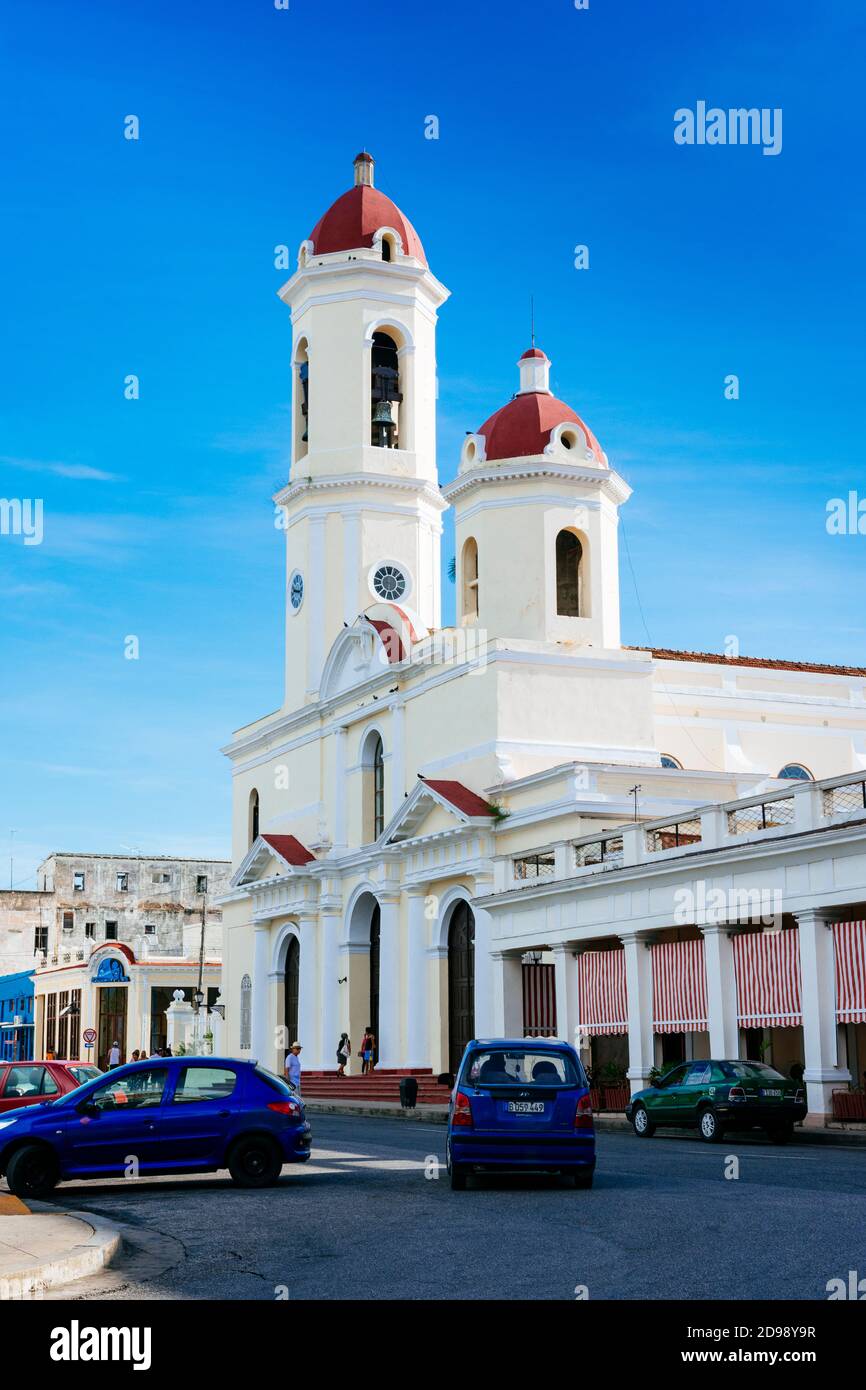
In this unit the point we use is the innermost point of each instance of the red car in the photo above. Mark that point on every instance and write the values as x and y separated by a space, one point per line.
27 1083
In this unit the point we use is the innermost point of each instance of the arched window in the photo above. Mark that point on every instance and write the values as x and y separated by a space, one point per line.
470 578
373 769
378 789
385 394
669 761
246 1014
797 771
569 579
386 248
254 816
302 399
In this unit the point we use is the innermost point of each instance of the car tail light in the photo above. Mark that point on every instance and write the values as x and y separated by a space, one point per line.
736 1093
583 1113
285 1107
462 1112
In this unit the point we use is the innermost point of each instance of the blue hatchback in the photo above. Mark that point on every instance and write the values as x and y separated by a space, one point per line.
521 1105
165 1115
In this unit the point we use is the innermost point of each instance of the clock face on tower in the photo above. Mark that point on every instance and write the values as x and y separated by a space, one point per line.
296 590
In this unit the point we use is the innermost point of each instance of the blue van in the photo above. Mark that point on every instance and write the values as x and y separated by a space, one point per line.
520 1105
164 1115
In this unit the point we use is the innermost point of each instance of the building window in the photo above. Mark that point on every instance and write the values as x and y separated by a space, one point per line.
254 816
470 578
668 761
389 583
302 399
569 565
90 930
201 883
246 1013
111 931
78 883
797 771
40 941
123 883
378 788
74 1024
150 929
68 921
63 1024
385 394
160 878
535 865
51 1025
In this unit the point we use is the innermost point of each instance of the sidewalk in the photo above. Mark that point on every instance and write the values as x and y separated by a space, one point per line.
604 1123
40 1250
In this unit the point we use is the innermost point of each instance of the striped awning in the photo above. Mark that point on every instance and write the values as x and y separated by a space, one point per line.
539 1001
601 996
679 987
849 942
767 969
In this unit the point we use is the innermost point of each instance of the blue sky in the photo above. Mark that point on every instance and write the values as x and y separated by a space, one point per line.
155 257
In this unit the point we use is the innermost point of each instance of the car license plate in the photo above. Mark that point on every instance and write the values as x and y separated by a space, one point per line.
526 1107
771 1093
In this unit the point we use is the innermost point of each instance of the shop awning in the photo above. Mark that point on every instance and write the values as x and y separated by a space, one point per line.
679 987
601 996
767 969
849 942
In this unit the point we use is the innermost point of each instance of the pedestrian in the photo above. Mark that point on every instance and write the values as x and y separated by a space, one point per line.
369 1049
293 1066
344 1052
364 1054
136 1055
114 1055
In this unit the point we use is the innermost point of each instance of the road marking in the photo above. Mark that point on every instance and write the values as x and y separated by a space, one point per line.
337 1154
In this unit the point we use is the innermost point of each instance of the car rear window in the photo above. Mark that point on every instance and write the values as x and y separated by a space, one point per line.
749 1071
520 1066
82 1074
275 1082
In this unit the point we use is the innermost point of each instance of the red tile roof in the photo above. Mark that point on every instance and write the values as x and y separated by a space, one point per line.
352 220
761 662
290 849
523 426
460 796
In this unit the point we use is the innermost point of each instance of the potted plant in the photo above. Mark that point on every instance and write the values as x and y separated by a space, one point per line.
614 1086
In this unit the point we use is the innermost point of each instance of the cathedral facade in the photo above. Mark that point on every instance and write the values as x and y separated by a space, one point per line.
417 827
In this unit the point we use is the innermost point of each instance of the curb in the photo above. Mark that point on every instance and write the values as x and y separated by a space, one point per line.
93 1245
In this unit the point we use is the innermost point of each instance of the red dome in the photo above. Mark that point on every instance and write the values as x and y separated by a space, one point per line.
351 222
532 352
523 426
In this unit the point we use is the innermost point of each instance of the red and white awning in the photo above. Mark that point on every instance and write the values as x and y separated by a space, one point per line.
679 987
601 997
539 1001
767 969
849 942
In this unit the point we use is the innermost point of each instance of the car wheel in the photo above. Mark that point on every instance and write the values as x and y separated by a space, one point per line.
582 1178
780 1134
255 1162
32 1171
641 1123
708 1126
456 1172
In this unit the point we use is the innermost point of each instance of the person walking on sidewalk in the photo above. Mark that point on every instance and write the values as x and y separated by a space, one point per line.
293 1066
114 1055
344 1052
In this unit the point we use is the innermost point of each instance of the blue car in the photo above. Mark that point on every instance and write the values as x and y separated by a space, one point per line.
520 1105
165 1115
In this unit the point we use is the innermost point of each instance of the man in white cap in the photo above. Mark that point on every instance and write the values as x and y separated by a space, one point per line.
293 1066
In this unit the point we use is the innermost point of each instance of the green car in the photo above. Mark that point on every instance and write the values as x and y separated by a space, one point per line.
713 1097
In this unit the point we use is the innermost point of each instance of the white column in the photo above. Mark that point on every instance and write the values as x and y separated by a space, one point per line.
331 1023
315 597
818 989
721 991
417 982
261 1024
507 973
341 799
484 984
565 976
309 1018
639 993
389 982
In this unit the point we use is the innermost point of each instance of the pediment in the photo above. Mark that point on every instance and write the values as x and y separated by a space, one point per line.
429 811
277 856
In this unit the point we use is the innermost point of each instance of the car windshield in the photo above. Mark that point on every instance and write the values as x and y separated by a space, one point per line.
82 1074
520 1066
749 1071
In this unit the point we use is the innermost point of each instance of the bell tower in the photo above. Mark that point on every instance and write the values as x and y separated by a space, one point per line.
362 508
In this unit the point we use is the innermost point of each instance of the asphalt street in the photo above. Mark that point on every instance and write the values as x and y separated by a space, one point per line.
366 1218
